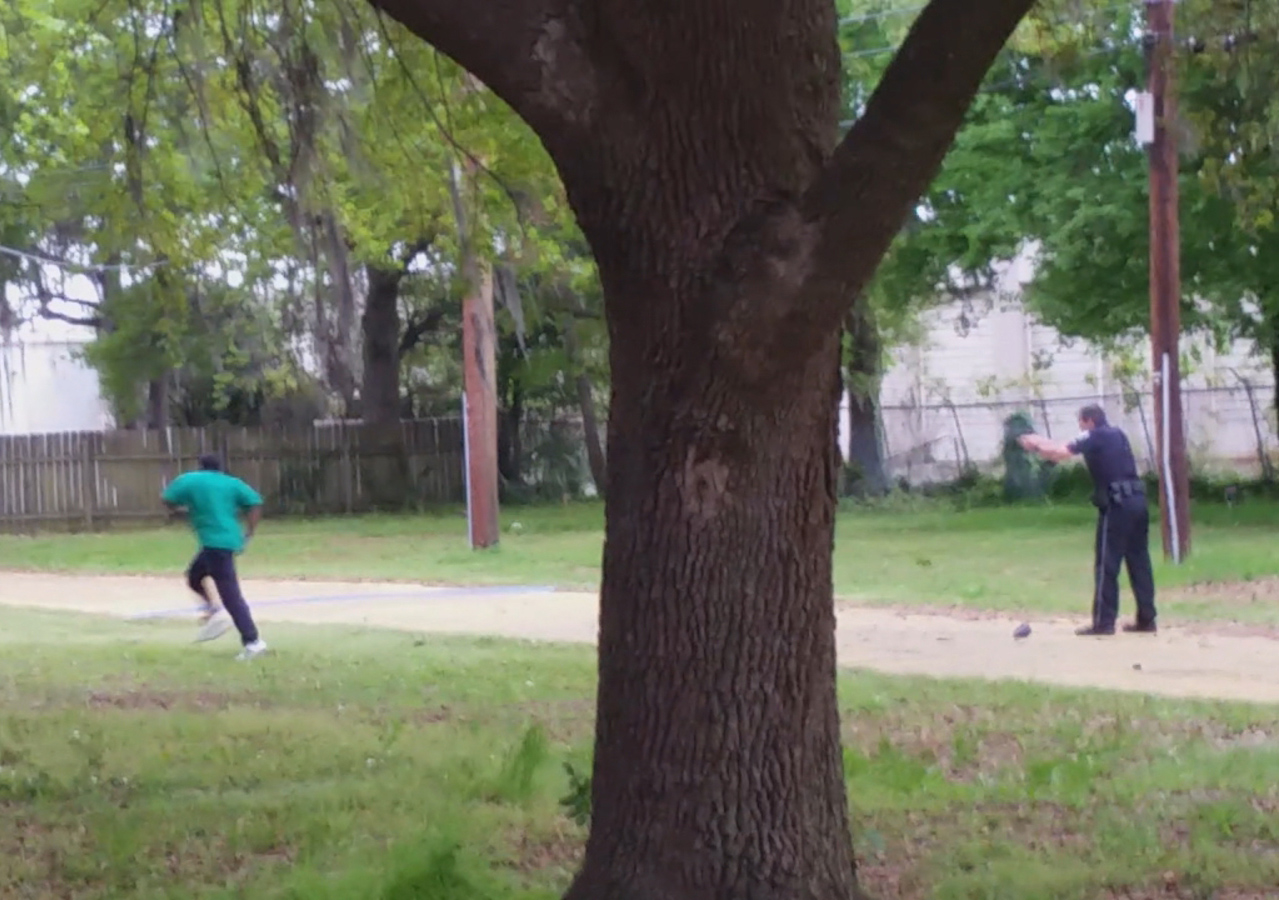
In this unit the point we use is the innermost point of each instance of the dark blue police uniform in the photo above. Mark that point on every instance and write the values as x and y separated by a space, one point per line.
1123 527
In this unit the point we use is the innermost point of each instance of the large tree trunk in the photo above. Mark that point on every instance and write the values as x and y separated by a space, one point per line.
697 143
380 395
384 462
865 364
157 415
338 339
717 760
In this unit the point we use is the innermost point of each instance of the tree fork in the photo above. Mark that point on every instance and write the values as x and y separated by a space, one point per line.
698 146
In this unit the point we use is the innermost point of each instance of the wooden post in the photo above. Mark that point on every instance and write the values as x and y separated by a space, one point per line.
1165 284
479 371
88 478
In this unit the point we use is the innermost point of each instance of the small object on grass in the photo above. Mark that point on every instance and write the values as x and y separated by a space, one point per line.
1023 631
516 527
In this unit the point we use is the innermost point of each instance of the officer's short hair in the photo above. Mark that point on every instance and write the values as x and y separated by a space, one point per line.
1093 413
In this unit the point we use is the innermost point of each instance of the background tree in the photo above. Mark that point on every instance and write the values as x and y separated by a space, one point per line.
301 221
1049 160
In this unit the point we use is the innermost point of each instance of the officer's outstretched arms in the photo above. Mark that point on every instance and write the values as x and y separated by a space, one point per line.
1053 451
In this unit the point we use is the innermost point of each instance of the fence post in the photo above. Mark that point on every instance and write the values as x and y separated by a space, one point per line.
345 436
88 479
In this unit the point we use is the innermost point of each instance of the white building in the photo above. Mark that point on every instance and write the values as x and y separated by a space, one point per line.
45 385
945 398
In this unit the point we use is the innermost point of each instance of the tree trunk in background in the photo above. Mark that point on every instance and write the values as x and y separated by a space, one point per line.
591 434
697 143
1274 364
510 439
339 338
157 415
865 364
384 465
586 404
380 395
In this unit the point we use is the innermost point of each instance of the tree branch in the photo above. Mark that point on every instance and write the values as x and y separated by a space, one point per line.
891 154
418 328
528 52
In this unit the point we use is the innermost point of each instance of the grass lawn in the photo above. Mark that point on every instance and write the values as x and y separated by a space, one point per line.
1028 559
372 765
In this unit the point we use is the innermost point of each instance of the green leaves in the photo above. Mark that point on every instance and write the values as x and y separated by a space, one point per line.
265 154
1048 158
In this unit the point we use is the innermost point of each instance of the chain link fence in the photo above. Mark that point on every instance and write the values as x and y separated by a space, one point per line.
1228 430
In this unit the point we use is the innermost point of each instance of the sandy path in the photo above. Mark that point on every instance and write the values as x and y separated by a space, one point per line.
1175 663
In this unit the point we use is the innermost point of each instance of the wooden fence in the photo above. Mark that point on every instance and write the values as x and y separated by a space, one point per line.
90 480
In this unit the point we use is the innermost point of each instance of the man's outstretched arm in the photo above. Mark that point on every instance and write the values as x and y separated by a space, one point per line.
1053 451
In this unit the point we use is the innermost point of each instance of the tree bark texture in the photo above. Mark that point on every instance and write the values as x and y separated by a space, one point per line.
157 415
380 394
698 145
338 339
385 465
510 437
1274 363
865 365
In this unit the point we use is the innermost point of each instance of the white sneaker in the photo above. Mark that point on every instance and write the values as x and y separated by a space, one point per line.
216 625
253 650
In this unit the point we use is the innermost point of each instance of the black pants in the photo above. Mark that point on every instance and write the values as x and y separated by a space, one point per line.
220 566
1123 537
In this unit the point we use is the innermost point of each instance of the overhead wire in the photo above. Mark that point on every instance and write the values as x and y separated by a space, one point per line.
79 268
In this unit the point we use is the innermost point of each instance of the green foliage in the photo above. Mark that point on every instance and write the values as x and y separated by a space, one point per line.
576 802
245 166
1048 156
516 781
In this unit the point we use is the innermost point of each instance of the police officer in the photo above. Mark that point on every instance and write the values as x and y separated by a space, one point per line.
1123 521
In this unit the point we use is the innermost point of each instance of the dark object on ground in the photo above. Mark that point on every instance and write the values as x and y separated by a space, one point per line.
1023 631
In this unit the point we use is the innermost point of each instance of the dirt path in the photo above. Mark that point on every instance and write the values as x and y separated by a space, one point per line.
1175 663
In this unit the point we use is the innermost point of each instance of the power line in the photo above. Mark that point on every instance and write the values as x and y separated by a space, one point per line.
81 268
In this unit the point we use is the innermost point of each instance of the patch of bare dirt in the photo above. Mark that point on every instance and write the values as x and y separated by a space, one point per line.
1171 890
565 721
143 698
1236 593
556 854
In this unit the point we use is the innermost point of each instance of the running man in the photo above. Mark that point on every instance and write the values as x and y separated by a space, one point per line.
214 501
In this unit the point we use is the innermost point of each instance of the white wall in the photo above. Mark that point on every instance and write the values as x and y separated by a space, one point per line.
984 365
45 387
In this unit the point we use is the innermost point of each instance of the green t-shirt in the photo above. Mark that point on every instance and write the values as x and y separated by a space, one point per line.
214 501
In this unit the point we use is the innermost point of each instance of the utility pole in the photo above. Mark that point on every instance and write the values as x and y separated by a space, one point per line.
1156 128
479 378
